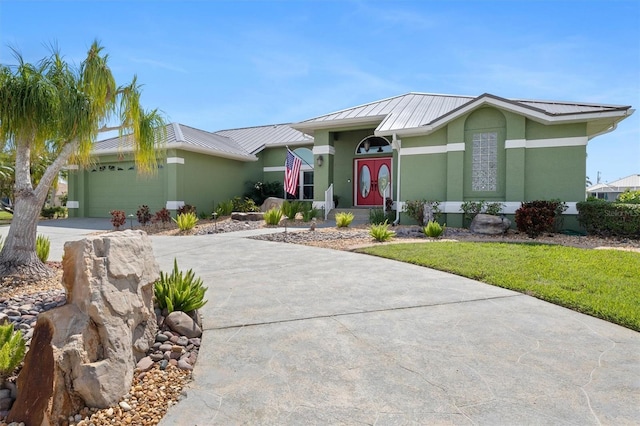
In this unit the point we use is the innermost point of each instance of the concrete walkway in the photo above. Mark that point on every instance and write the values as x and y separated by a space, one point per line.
300 335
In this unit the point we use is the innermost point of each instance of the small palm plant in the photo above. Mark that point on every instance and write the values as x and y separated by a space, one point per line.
12 350
273 216
186 221
344 219
381 232
179 291
43 246
433 229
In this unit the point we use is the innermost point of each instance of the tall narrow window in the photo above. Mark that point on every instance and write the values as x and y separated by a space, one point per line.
485 162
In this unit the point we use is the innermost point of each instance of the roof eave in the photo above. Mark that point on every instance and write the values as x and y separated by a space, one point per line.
185 147
310 127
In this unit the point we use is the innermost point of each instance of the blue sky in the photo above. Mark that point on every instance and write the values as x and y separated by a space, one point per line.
224 64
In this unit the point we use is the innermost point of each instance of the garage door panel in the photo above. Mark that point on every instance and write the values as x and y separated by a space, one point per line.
118 187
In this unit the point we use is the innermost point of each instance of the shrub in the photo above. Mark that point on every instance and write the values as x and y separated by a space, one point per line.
43 245
381 232
187 208
179 291
344 219
537 217
469 210
273 216
629 197
290 208
162 216
310 213
144 215
493 209
244 205
260 191
203 215
54 212
378 216
225 208
118 218
415 210
12 350
600 217
186 221
433 229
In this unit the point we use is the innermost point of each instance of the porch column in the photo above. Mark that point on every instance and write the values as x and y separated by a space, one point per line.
323 146
174 183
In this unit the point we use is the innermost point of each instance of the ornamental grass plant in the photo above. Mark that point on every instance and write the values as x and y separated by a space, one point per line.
179 291
344 219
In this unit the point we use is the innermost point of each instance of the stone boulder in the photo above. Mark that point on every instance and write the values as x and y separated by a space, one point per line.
250 216
85 352
487 224
270 203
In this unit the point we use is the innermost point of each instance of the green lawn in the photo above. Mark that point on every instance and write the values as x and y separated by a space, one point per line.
602 283
5 215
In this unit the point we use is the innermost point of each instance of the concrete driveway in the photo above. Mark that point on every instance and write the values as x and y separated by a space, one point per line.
300 335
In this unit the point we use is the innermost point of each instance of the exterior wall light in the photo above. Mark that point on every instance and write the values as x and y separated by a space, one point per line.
320 160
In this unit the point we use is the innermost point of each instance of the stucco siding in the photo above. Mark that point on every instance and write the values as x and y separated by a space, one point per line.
536 130
555 173
424 177
207 180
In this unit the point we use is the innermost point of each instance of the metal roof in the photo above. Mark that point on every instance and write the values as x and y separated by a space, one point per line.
254 139
417 110
179 136
631 182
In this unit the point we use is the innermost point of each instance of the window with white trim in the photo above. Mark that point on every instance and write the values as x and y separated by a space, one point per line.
485 162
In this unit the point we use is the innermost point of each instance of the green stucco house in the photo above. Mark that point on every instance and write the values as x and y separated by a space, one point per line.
413 146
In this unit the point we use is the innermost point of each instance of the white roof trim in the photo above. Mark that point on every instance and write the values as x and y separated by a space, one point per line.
185 147
334 124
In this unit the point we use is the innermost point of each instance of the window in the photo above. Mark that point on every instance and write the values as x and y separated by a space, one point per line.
307 185
485 162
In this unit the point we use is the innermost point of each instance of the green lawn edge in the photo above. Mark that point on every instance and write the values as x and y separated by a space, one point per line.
601 283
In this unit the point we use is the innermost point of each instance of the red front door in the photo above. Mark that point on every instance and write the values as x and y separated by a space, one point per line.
373 181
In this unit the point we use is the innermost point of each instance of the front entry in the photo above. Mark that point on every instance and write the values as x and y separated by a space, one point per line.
373 181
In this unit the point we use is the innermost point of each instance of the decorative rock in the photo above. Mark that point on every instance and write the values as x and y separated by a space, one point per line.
250 216
165 347
184 365
182 341
124 406
157 356
183 324
271 203
487 224
163 364
161 338
145 364
109 281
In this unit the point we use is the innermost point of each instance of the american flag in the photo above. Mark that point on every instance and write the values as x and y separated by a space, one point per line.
292 173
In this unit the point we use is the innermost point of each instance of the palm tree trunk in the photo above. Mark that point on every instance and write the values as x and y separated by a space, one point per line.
18 255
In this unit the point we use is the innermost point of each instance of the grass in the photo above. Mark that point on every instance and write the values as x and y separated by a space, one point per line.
601 283
5 215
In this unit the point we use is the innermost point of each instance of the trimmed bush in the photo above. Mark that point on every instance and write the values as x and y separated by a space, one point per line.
43 245
381 232
244 205
629 197
273 216
162 216
344 219
118 218
607 219
187 208
179 291
433 229
144 215
186 221
12 350
260 191
537 217
225 208
415 209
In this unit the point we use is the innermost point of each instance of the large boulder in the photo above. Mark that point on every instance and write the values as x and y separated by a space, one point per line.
96 339
271 203
488 224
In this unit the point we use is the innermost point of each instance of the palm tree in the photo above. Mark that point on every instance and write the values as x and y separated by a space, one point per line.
51 108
